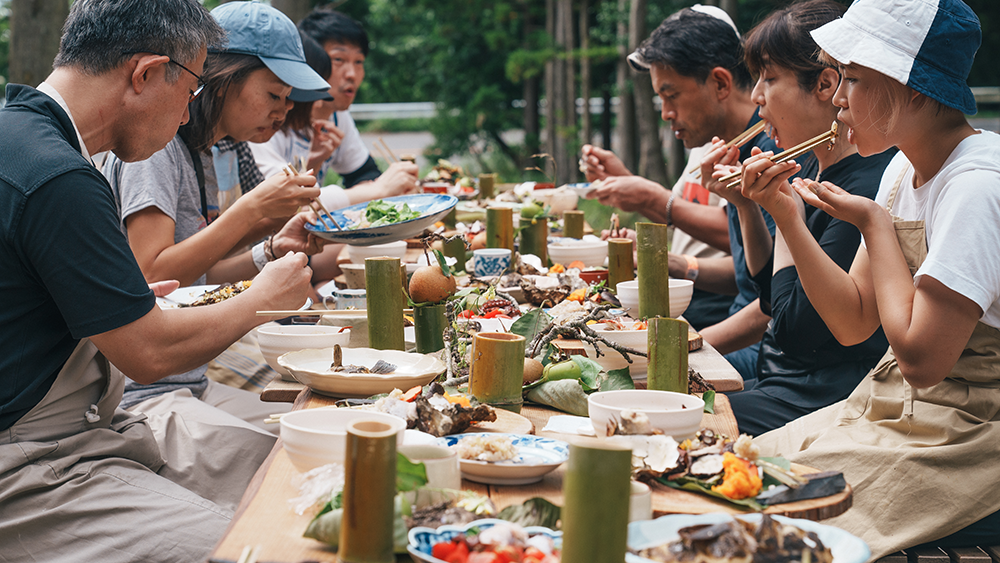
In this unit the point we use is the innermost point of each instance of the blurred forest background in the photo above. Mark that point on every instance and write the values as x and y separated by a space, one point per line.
494 67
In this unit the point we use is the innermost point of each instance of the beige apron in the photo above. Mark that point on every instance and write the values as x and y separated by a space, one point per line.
923 462
78 479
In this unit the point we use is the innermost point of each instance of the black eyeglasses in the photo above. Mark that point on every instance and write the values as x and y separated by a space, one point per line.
201 83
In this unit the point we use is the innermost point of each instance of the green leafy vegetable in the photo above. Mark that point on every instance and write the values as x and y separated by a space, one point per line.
565 394
615 379
380 213
709 398
589 371
533 512
409 475
530 324
698 486
445 268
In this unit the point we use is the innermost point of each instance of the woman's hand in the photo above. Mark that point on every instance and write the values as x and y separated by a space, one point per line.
857 210
294 237
716 163
766 183
281 195
325 139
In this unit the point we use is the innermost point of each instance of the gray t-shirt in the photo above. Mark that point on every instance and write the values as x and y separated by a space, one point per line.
167 181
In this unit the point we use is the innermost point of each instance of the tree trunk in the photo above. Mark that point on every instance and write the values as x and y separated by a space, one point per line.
651 165
551 124
730 6
294 9
531 118
586 123
626 103
606 117
566 92
35 30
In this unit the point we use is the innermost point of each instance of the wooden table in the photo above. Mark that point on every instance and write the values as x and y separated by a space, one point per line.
265 518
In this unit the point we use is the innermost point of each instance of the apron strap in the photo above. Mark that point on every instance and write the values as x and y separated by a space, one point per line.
895 188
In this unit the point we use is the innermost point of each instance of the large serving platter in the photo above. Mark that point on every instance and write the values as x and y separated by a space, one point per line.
312 367
432 207
422 539
845 547
536 456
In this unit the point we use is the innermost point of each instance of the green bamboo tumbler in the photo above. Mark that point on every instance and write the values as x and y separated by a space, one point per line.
497 372
652 240
596 492
500 228
383 284
535 238
369 493
429 325
667 341
573 224
621 266
486 184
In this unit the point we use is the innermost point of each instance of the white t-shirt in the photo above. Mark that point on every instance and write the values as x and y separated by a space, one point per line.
690 189
960 207
285 146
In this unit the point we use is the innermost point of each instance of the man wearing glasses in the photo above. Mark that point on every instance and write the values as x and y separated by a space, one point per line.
78 476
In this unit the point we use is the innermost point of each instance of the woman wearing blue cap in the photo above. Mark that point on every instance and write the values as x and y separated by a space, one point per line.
169 208
919 437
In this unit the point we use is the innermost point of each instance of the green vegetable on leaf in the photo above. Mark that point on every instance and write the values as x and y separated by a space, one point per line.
380 213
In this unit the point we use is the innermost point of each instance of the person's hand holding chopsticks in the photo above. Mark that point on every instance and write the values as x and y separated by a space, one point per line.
282 284
293 236
400 178
720 160
598 164
326 139
281 195
766 183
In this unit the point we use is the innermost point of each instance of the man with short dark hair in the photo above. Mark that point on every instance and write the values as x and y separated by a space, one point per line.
78 476
695 61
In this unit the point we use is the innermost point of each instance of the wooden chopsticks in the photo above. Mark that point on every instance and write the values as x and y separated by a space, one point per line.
317 312
290 170
733 180
740 140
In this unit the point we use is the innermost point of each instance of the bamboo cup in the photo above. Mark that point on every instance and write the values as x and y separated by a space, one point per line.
654 270
497 369
596 491
500 228
369 492
621 266
667 341
385 303
535 238
573 224
455 249
429 324
450 220
486 185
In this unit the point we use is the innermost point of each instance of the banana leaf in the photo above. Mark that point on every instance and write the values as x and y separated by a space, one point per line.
533 512
564 394
698 486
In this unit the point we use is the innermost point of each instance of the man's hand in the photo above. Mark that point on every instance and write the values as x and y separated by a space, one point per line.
326 138
294 237
598 163
283 284
630 193
400 178
164 288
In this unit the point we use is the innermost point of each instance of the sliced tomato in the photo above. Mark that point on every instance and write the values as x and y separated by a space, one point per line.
485 557
452 552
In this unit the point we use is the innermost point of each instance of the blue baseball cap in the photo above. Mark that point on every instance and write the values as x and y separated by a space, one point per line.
928 45
260 30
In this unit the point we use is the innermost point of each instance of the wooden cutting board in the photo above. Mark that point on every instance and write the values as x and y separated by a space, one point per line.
577 347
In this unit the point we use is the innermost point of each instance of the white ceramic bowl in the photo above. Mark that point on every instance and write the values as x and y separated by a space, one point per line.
612 360
312 368
316 437
357 254
680 296
592 254
663 408
560 199
275 339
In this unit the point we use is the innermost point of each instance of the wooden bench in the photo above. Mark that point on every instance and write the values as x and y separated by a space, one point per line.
989 554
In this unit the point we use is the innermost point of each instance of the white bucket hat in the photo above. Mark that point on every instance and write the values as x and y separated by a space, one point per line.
928 45
638 63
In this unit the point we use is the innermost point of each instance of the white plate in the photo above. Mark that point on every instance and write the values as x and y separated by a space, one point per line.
582 189
422 539
536 456
183 295
312 368
846 548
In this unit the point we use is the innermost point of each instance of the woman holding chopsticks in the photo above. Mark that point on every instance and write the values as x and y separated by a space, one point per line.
919 437
169 202
801 367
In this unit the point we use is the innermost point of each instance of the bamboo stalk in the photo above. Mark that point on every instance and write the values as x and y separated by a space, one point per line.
497 370
429 324
455 249
385 303
451 219
535 239
500 228
596 489
487 183
573 224
369 493
621 265
667 341
654 271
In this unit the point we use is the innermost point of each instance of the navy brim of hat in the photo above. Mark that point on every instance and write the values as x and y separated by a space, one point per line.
850 43
305 96
296 74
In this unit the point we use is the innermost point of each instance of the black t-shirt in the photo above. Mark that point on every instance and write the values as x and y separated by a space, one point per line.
67 270
800 361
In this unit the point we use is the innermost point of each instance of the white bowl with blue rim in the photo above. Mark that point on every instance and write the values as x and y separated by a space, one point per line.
422 539
536 457
432 208
845 547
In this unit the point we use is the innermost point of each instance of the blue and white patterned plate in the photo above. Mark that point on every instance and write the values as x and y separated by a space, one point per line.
536 456
845 547
432 207
422 540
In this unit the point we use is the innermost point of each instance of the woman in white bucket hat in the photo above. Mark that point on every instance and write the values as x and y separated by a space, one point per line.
919 437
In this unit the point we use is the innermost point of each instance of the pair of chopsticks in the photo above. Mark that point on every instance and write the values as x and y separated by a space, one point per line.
733 180
738 141
387 153
249 554
290 170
